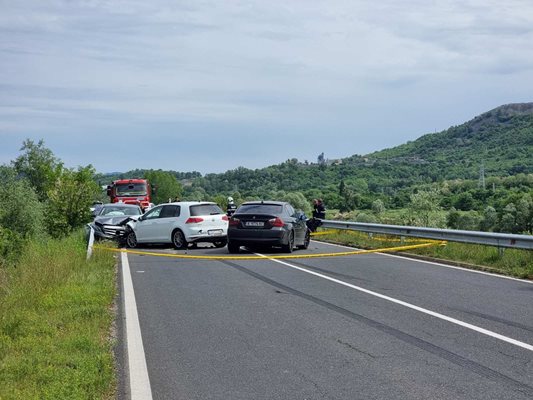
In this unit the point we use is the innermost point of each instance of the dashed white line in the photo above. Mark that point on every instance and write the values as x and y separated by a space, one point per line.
409 305
138 372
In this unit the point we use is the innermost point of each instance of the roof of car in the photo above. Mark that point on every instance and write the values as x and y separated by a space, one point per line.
187 203
125 205
268 202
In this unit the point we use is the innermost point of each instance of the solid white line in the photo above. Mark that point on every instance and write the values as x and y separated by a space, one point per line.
138 372
408 305
474 271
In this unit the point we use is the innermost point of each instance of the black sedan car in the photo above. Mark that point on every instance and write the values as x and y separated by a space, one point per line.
110 220
268 223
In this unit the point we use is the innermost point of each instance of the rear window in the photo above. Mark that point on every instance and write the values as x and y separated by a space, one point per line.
205 209
270 209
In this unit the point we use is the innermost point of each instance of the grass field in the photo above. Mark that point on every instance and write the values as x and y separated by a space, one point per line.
55 322
518 263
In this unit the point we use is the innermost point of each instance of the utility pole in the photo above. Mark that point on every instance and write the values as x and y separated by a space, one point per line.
481 183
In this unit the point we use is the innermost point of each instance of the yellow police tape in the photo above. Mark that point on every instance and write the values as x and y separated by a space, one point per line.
373 237
340 254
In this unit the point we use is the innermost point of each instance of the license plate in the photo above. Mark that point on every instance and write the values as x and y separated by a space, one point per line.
254 223
215 232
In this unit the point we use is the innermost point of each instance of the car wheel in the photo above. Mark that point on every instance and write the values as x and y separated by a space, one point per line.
220 244
131 240
233 248
307 240
178 240
289 247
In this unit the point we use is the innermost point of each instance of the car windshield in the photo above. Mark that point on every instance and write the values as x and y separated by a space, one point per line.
131 189
270 209
114 211
205 209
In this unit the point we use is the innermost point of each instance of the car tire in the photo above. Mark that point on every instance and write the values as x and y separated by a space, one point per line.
307 240
233 248
178 240
220 243
131 239
289 247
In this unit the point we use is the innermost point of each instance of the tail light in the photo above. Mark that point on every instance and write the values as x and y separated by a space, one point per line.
234 222
276 222
225 218
194 220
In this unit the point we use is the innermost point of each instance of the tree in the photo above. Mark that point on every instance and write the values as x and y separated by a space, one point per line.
166 184
378 207
508 219
342 187
524 214
490 219
70 199
298 201
464 201
39 165
424 207
21 212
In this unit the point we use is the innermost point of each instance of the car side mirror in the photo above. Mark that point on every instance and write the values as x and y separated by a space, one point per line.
300 215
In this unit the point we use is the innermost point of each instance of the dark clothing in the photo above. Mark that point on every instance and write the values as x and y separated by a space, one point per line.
313 224
319 211
231 209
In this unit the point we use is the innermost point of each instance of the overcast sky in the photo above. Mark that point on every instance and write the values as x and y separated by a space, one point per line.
211 85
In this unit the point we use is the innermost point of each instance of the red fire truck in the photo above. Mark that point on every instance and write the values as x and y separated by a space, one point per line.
131 191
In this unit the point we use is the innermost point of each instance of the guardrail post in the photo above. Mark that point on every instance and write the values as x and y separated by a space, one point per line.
370 235
402 239
91 243
501 252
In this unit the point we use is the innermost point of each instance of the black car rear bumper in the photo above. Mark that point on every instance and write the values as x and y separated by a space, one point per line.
270 237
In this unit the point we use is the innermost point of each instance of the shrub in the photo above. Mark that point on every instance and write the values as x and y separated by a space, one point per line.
68 205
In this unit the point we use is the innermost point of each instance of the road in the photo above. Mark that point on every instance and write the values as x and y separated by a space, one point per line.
367 326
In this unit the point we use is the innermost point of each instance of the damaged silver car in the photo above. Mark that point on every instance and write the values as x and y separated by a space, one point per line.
110 220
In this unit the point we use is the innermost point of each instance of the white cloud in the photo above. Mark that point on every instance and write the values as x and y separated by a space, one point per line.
299 66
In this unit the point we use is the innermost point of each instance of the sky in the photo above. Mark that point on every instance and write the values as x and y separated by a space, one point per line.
209 86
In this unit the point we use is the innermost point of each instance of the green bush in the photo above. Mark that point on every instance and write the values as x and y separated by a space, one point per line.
21 210
68 206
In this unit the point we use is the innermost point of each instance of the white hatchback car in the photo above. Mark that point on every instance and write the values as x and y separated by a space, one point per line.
180 223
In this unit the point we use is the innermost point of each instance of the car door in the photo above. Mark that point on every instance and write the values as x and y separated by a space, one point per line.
166 222
298 224
146 226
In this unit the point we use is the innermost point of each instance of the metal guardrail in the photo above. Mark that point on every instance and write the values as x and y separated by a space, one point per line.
507 240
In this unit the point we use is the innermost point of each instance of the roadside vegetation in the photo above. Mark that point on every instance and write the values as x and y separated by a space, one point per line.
55 307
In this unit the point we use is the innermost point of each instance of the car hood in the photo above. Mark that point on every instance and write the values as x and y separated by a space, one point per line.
117 220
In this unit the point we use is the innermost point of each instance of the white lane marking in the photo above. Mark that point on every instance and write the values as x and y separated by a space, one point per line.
438 264
409 305
138 372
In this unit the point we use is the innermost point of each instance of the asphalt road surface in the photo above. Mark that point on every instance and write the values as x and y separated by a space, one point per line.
367 326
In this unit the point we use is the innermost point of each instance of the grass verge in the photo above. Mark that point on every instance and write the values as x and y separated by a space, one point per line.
55 323
512 262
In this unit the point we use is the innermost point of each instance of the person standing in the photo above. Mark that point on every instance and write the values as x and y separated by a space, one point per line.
319 210
231 207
